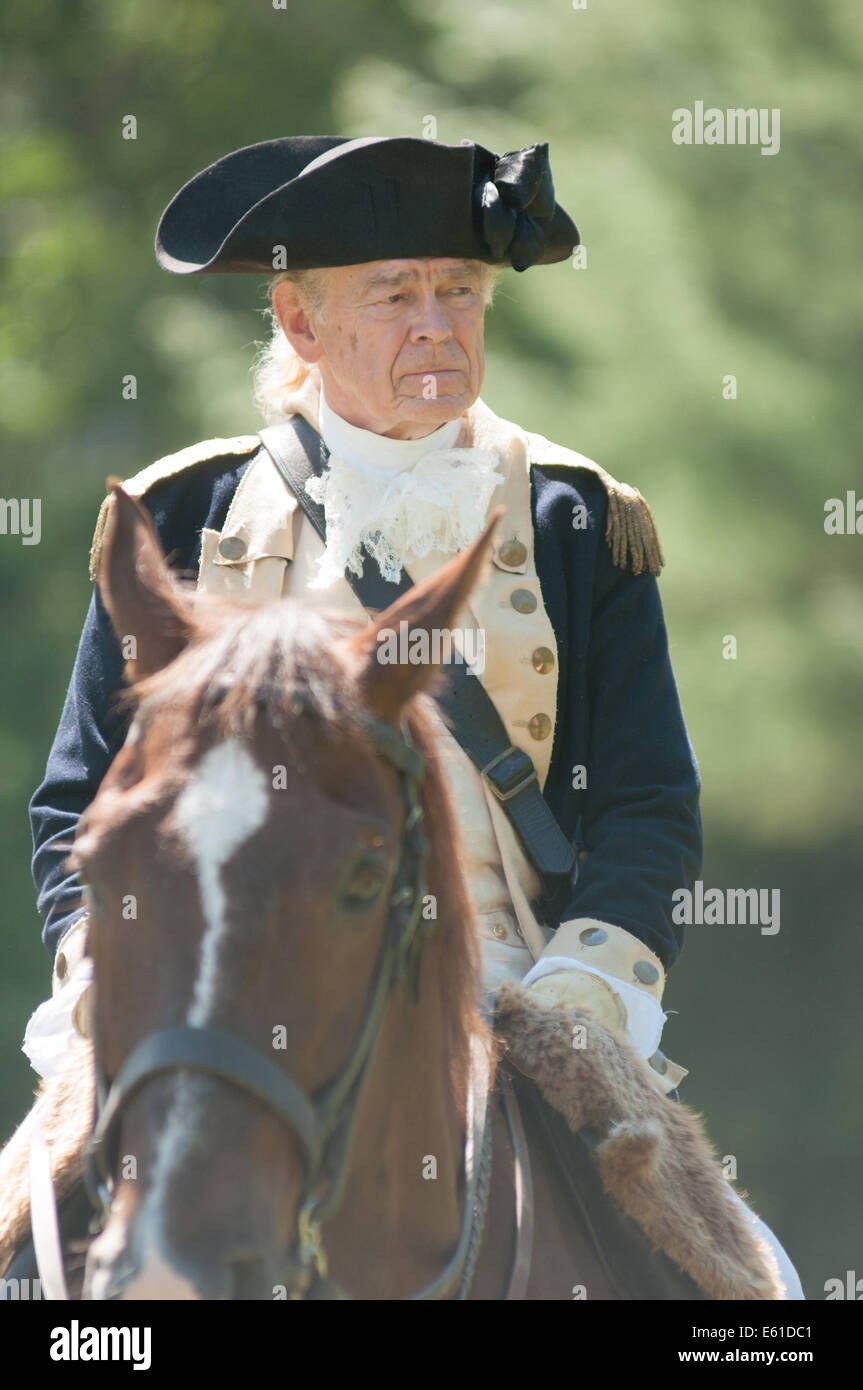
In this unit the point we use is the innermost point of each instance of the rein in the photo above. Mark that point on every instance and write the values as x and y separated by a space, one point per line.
324 1124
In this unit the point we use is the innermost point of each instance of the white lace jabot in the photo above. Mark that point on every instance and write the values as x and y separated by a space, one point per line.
398 496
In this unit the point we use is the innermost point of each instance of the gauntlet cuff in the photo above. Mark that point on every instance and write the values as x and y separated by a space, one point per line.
610 949
618 955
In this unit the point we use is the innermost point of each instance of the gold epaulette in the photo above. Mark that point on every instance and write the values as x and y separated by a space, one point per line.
168 467
631 530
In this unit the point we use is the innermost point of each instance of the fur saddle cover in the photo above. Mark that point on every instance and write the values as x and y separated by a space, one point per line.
653 1154
65 1105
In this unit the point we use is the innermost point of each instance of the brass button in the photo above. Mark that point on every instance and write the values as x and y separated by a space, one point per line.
543 660
499 930
593 936
60 966
540 726
512 553
232 547
645 972
522 600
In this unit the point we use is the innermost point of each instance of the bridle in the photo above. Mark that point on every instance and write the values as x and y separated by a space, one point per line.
324 1125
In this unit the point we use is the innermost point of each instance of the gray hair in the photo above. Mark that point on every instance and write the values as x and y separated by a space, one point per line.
279 371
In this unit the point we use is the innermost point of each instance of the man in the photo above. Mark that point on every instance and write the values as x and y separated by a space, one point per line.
391 247
389 250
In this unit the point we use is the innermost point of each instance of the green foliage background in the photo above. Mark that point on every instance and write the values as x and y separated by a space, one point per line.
701 261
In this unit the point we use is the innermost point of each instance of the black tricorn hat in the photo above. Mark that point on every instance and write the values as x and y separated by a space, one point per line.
310 201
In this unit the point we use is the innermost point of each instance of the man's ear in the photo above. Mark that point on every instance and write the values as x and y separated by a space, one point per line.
433 605
295 322
152 619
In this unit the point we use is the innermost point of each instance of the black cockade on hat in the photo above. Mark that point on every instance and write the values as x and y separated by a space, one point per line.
305 201
518 206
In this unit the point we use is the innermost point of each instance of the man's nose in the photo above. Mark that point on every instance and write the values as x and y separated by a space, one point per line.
431 323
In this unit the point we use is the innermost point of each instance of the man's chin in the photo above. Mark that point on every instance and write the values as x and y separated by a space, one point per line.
442 407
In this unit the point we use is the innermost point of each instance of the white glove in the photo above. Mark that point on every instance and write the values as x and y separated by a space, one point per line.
579 990
625 1010
60 1022
595 966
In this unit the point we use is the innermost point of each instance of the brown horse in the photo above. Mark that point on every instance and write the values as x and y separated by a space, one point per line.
289 1040
255 826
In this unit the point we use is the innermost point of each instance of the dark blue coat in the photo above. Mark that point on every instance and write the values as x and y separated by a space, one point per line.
618 713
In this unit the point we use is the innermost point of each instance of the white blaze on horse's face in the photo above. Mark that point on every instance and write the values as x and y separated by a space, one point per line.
224 803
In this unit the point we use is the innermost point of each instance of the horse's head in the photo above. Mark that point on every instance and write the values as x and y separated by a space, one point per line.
260 889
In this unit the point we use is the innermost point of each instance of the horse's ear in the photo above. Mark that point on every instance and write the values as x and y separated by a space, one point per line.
152 620
387 683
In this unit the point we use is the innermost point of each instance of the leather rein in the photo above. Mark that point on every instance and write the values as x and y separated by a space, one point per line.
324 1124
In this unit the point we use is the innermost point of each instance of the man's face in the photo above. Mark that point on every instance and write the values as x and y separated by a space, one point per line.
401 349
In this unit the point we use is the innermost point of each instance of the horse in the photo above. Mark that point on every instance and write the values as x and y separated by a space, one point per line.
300 1092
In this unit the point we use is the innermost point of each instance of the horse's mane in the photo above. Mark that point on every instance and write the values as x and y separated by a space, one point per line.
279 665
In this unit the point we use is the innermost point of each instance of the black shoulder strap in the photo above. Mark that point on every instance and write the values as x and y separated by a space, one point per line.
298 452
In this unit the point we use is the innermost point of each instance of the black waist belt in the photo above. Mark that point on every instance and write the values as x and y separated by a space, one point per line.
299 453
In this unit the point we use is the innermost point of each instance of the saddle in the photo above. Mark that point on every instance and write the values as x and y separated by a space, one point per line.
634 1267
639 1168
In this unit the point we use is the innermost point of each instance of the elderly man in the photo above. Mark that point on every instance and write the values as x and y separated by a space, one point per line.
390 249
386 460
